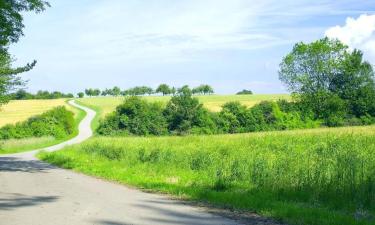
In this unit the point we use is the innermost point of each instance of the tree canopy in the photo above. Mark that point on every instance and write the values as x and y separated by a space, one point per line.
11 26
329 77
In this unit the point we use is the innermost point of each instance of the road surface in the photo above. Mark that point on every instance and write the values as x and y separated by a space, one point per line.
35 193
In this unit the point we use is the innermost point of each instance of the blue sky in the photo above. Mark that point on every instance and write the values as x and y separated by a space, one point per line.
231 45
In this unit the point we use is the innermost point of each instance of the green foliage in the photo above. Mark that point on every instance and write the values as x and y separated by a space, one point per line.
245 92
11 25
135 116
58 122
92 92
323 176
8 76
23 95
334 82
81 95
138 91
203 89
236 118
164 89
11 19
183 113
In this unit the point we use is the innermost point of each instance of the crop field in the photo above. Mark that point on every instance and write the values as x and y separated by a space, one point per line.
211 102
17 111
320 176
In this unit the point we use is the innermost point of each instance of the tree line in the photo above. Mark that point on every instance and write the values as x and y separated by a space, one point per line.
24 95
162 89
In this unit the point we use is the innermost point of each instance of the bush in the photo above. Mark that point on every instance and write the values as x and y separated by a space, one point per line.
135 116
185 114
58 122
236 118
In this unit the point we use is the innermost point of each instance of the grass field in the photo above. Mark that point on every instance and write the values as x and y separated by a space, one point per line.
30 108
105 105
320 176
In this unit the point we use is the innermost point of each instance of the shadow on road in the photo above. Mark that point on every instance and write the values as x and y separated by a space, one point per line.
12 201
13 164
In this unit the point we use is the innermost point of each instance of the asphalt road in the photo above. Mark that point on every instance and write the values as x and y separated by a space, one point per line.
35 193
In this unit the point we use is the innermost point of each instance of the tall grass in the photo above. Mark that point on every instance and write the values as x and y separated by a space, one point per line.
320 176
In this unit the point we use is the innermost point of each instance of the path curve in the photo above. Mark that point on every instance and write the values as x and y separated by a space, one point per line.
35 193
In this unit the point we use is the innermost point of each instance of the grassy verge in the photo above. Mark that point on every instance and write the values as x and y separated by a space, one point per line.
319 176
27 144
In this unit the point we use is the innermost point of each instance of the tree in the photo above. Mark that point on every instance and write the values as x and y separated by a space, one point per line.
11 26
11 19
96 92
81 95
244 92
9 80
203 89
88 92
116 91
326 69
183 113
207 89
164 89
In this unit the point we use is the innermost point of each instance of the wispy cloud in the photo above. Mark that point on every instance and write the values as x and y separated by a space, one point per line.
226 43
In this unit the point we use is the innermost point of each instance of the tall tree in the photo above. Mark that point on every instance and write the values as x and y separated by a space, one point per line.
327 76
11 26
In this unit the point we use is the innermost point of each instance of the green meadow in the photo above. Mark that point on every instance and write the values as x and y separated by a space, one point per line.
319 176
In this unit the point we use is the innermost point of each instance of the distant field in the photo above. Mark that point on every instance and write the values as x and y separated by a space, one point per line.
321 176
211 102
17 111
21 110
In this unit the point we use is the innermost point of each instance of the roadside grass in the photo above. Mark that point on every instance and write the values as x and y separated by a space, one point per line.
105 105
320 176
27 144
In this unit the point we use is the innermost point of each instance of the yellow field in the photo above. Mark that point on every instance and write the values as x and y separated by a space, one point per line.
211 102
16 111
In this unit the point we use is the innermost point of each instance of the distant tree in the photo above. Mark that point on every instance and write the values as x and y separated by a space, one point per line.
245 92
20 94
89 92
203 89
81 95
116 91
207 89
164 89
173 90
96 92
148 90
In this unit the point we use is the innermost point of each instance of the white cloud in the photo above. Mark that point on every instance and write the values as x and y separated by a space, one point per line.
357 33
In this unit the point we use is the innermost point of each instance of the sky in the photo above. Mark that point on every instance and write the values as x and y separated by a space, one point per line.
229 44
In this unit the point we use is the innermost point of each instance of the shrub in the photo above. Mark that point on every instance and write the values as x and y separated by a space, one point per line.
236 118
58 122
185 114
135 116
